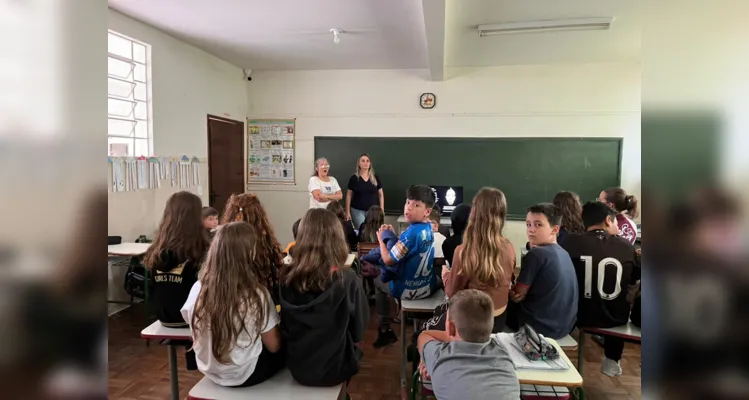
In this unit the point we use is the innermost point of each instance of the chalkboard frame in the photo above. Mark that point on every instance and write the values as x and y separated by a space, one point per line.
343 180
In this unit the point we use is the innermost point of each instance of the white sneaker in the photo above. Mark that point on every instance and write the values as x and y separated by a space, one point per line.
611 368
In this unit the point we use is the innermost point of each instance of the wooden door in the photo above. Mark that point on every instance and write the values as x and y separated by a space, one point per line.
225 160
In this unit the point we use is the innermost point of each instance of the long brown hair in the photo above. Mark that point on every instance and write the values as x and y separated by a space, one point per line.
483 243
572 211
246 207
320 246
232 289
181 230
372 223
622 201
337 209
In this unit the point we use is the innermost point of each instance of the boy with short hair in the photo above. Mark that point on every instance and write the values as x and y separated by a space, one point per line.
210 220
439 238
413 258
603 299
463 361
545 295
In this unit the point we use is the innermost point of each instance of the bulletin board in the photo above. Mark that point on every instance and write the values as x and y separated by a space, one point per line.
271 149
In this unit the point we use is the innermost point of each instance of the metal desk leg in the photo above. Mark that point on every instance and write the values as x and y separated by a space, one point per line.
173 372
147 274
403 348
580 352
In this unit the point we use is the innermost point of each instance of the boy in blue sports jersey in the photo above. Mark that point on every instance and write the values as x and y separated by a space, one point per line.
412 257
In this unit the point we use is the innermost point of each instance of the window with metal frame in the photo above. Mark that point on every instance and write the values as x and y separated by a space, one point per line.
128 97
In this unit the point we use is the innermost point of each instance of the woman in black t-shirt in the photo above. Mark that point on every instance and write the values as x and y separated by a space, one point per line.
364 191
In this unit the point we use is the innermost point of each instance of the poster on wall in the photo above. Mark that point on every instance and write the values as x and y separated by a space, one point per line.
270 151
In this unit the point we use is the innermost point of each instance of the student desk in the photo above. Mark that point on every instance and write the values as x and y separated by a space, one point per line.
280 387
159 332
569 378
627 332
403 225
128 249
135 251
415 306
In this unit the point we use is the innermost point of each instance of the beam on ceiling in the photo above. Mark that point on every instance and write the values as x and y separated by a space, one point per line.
434 27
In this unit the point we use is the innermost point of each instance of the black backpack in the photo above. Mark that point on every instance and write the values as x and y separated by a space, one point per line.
135 278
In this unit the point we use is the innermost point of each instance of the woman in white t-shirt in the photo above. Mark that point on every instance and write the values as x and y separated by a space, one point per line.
323 188
232 317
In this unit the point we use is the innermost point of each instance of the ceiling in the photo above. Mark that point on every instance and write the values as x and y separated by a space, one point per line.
381 34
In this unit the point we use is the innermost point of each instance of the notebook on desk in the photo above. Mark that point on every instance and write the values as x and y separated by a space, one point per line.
507 340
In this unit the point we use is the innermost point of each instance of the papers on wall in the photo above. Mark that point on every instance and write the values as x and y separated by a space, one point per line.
270 151
507 340
130 173
142 165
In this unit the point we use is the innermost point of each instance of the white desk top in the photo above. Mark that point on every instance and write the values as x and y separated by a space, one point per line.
427 304
158 331
567 378
628 331
443 220
280 387
128 249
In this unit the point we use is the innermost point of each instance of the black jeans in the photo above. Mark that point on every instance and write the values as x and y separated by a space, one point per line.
511 313
613 347
268 364
382 303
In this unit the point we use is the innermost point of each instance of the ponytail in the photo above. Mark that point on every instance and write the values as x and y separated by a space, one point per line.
622 201
632 206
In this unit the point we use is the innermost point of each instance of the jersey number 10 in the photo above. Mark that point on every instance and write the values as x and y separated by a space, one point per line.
608 261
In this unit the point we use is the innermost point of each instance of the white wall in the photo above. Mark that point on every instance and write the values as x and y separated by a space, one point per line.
187 85
519 101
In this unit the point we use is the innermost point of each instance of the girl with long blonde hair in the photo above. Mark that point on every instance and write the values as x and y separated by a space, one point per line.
246 207
232 317
486 259
324 310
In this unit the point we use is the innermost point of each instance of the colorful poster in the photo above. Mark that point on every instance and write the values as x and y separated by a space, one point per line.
270 151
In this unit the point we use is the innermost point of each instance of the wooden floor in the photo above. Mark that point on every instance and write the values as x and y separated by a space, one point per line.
140 372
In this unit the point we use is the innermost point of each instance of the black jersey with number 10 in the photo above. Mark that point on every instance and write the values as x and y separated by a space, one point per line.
606 265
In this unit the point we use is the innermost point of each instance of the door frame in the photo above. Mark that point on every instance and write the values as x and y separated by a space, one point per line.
208 119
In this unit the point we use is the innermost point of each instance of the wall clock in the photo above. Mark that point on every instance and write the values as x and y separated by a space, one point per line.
428 100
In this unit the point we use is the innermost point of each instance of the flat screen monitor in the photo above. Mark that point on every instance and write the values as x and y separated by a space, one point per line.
448 197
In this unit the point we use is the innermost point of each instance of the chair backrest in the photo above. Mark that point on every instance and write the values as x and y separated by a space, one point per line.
114 240
362 249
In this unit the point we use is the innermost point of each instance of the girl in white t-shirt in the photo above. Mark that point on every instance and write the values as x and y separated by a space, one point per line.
234 323
323 188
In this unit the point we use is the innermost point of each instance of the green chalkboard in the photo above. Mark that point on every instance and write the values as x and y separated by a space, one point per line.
527 170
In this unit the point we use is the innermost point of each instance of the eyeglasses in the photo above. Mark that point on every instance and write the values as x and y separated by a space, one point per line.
324 166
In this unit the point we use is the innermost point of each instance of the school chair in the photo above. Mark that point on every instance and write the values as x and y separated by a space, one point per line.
280 386
628 332
362 249
539 392
418 388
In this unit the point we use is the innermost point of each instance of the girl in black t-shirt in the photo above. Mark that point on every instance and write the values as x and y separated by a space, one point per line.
175 255
368 229
348 230
364 190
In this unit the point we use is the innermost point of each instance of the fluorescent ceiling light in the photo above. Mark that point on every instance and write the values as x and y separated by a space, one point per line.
557 25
